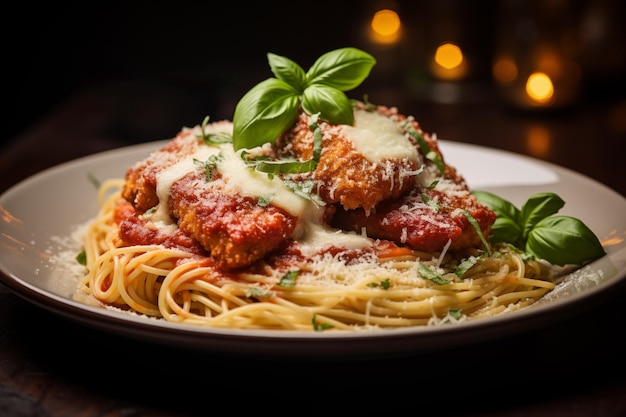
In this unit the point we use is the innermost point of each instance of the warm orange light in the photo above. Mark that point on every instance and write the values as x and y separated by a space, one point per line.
504 70
385 26
386 22
448 63
617 117
448 56
538 141
539 87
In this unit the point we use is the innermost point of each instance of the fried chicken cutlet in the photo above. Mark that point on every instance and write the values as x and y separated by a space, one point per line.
416 200
351 171
175 185
235 229
424 220
140 187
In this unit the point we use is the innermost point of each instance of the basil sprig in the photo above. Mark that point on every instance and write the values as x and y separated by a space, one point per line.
294 167
272 106
538 231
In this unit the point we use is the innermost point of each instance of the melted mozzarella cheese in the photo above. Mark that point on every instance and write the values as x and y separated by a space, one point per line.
166 177
377 137
309 231
251 183
316 237
248 182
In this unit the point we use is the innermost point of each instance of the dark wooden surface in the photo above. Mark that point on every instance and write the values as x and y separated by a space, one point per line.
574 366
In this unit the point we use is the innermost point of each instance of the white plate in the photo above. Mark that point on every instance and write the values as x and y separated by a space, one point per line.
40 213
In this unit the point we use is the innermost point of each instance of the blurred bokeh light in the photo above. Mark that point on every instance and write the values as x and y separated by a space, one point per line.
385 26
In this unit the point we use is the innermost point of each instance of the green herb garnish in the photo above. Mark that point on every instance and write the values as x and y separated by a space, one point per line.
289 279
538 231
209 165
465 266
304 189
272 106
81 258
472 221
424 147
455 313
319 326
95 181
384 284
427 273
213 138
292 166
257 292
265 201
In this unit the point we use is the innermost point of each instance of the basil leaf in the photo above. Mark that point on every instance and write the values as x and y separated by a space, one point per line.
289 279
498 204
343 69
272 106
427 273
81 258
507 227
263 113
465 266
538 207
474 223
332 105
563 240
537 231
318 326
507 230
286 167
288 71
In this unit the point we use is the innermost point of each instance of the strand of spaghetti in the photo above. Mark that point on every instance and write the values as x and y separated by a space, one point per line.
519 262
266 315
108 191
372 304
298 317
188 277
139 275
101 278
107 273
224 297
495 308
373 318
532 282
520 295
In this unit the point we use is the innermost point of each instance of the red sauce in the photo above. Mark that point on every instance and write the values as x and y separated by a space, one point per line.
135 231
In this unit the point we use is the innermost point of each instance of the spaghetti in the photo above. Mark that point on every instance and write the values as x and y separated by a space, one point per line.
389 288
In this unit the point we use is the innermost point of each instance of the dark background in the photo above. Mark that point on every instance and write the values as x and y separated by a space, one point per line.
189 59
194 58
198 58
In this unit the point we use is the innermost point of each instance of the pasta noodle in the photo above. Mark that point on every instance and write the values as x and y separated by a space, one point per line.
328 294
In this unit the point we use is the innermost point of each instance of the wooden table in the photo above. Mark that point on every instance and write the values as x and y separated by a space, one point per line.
51 366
